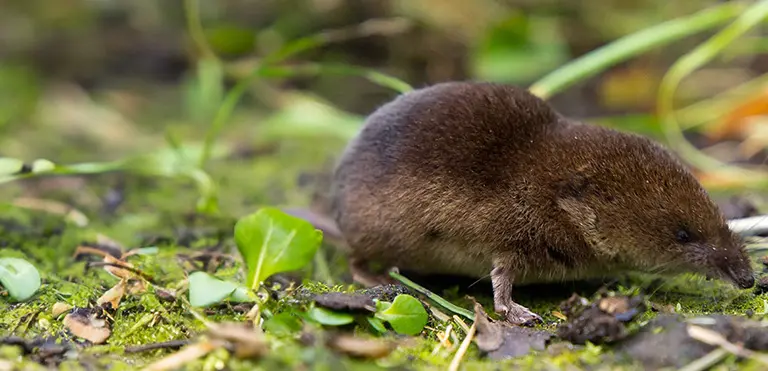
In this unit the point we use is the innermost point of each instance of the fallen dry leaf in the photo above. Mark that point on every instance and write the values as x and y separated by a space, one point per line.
247 341
736 123
113 295
59 308
53 207
500 340
361 347
184 356
85 323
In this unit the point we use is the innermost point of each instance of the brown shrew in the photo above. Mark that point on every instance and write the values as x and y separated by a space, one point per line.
484 179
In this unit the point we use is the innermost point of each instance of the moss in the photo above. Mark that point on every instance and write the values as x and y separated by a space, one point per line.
158 213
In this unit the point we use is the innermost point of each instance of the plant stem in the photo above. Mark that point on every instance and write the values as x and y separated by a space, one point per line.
689 63
631 45
195 28
432 296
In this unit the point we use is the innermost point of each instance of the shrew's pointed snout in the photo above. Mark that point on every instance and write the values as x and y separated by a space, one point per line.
736 268
744 281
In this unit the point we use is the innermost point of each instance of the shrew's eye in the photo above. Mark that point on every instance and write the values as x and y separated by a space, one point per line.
683 236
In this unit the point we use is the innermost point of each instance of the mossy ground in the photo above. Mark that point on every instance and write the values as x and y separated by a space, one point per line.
157 213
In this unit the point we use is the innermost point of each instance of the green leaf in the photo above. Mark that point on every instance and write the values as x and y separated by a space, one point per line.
242 295
42 166
10 166
205 290
19 277
328 317
151 250
282 324
376 324
406 315
272 241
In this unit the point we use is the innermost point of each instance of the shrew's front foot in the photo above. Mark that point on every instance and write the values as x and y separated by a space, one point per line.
516 314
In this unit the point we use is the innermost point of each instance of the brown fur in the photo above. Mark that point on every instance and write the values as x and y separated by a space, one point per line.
464 178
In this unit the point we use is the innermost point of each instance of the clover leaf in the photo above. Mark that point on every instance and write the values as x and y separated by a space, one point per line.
19 277
406 314
272 241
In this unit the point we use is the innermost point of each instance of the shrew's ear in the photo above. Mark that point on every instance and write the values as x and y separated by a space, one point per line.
573 200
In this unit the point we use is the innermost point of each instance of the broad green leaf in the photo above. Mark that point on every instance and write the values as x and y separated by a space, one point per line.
272 241
19 277
205 290
328 317
10 166
42 165
282 324
406 315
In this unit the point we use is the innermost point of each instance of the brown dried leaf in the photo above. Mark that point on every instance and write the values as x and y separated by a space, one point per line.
737 123
188 354
361 347
86 324
53 207
113 295
247 341
60 308
500 340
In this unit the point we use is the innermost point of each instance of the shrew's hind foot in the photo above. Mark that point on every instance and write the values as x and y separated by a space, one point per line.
363 275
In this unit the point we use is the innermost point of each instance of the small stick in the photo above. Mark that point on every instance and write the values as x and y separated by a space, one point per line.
704 363
173 344
750 226
711 337
462 349
461 323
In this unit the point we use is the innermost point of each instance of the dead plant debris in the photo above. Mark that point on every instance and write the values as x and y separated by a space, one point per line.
346 302
88 323
500 340
602 321
666 340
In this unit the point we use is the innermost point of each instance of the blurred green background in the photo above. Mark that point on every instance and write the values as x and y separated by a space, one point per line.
100 80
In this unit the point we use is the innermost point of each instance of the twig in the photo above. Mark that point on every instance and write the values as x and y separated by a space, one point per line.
133 270
710 359
461 324
751 226
710 337
462 349
432 296
173 344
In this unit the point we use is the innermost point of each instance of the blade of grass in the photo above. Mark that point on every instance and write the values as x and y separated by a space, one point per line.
631 45
688 63
375 77
711 109
433 297
292 48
